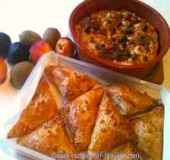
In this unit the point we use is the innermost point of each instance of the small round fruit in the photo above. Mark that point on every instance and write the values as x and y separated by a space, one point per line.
51 35
19 73
3 70
18 52
38 49
65 47
29 37
5 42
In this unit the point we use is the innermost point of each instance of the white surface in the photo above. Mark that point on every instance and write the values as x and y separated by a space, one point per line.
37 15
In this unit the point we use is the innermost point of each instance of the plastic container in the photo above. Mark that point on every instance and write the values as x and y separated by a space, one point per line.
141 9
104 76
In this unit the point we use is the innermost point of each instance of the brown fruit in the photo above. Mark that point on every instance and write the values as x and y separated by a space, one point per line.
19 73
3 70
51 35
29 37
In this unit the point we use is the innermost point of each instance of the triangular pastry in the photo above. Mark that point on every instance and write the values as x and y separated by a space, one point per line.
129 100
81 117
111 128
70 83
148 128
51 138
42 108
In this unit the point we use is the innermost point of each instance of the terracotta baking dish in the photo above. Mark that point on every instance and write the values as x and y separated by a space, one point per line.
142 10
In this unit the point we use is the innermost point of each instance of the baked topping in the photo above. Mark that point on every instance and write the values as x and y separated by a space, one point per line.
119 36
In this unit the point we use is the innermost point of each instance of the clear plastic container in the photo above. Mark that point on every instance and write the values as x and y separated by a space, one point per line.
105 76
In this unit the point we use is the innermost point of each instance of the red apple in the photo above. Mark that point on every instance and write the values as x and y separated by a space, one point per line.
38 49
65 47
3 70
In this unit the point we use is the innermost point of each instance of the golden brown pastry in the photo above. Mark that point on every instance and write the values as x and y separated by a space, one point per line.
70 82
91 121
149 129
49 139
42 108
127 151
129 100
82 115
111 128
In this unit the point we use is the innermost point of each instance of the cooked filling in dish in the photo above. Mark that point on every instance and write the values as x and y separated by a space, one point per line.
119 36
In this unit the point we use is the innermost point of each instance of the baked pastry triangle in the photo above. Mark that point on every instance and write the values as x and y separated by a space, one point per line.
51 138
111 128
148 128
70 83
42 108
129 100
81 117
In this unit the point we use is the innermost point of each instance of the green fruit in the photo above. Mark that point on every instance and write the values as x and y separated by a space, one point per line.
29 37
19 73
51 35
